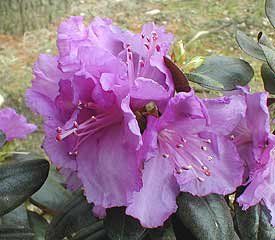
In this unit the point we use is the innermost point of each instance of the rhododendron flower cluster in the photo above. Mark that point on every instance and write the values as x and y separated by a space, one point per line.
115 126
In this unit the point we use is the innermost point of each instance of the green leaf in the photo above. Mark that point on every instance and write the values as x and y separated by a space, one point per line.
52 194
15 225
76 215
163 233
94 231
2 139
268 77
180 81
270 11
119 226
38 225
19 180
249 46
13 232
253 224
270 56
222 73
207 217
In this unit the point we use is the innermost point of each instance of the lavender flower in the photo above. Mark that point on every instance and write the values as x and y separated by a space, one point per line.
250 132
182 152
87 95
14 125
86 128
145 76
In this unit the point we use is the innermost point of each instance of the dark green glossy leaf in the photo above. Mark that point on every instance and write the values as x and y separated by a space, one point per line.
2 139
268 77
38 225
163 233
94 231
180 230
13 232
19 180
222 73
18 216
180 80
249 46
119 226
270 11
15 225
270 56
207 217
76 215
52 195
253 224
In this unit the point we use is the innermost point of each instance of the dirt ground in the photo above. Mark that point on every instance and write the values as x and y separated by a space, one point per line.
185 19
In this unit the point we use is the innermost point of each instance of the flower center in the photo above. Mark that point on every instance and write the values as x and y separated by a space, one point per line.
189 153
94 124
143 65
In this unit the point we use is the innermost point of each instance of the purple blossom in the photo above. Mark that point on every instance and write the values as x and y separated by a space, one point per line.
86 128
87 95
141 55
182 152
261 186
14 125
250 132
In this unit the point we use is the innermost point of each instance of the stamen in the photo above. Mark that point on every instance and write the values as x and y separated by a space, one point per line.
73 153
203 148
209 141
80 105
201 179
75 124
210 158
183 140
158 48
89 105
207 173
187 167
204 168
141 63
232 137
59 130
165 155
154 36
130 55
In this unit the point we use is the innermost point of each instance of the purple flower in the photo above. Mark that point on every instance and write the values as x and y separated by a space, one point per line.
86 95
145 76
261 187
250 132
91 134
248 123
182 152
14 125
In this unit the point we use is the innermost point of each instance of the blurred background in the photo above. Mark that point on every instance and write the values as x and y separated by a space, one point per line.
207 27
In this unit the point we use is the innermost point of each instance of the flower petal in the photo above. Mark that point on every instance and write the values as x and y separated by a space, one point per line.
262 185
225 170
108 169
14 125
156 200
225 112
